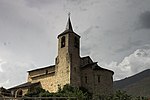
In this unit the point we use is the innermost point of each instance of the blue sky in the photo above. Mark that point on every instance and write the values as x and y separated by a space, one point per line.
116 33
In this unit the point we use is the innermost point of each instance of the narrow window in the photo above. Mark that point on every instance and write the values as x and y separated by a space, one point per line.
76 42
63 42
88 60
46 71
98 78
85 79
75 69
57 60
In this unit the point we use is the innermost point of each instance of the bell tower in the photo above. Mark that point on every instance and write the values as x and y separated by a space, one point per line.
68 59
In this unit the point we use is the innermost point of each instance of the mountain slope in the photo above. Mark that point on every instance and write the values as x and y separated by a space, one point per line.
138 85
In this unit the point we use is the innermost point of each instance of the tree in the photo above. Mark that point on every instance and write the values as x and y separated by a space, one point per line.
122 95
38 92
70 91
66 91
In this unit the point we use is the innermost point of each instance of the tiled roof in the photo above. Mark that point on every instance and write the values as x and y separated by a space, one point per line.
68 29
3 90
41 68
89 65
27 84
69 25
96 67
85 57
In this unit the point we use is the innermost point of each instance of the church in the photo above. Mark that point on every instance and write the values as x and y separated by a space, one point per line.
69 68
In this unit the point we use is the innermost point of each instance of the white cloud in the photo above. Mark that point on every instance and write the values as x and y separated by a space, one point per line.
1 63
13 72
4 83
136 62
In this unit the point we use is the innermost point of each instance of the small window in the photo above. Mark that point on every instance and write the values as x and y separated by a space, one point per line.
75 69
98 78
85 79
63 42
76 42
46 71
57 60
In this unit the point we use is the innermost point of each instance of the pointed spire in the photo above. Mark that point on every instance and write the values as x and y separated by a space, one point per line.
69 26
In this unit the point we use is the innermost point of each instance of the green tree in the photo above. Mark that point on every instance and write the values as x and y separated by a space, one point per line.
38 92
119 95
122 95
141 98
66 91
70 91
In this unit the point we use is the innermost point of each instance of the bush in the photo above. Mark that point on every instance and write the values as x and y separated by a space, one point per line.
80 93
66 91
122 95
70 91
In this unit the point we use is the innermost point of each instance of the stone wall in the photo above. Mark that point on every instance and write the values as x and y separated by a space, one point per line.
46 77
103 82
74 51
87 79
98 82
85 60
40 72
69 69
68 61
47 82
63 63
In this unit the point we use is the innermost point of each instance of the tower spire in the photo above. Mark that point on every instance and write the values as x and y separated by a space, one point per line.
69 25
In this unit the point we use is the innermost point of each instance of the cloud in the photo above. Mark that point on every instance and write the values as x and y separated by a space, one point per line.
136 62
130 44
39 3
1 63
11 76
144 20
4 83
28 31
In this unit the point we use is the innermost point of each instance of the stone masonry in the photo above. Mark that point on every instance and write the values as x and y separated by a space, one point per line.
72 69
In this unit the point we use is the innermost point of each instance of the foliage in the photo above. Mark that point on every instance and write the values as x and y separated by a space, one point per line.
38 92
81 93
141 98
69 91
122 95
66 91
119 95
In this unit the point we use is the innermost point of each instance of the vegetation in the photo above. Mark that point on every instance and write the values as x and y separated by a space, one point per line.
122 95
38 92
81 94
69 91
136 85
66 91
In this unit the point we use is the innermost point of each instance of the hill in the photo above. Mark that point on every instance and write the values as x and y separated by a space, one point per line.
138 85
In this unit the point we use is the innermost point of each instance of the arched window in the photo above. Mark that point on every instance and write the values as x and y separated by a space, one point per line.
63 42
19 93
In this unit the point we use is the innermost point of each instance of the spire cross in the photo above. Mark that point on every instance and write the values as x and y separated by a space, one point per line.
69 14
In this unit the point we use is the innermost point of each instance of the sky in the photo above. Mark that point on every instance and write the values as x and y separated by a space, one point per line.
114 33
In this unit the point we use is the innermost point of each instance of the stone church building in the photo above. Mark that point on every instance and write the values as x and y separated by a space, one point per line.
69 68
